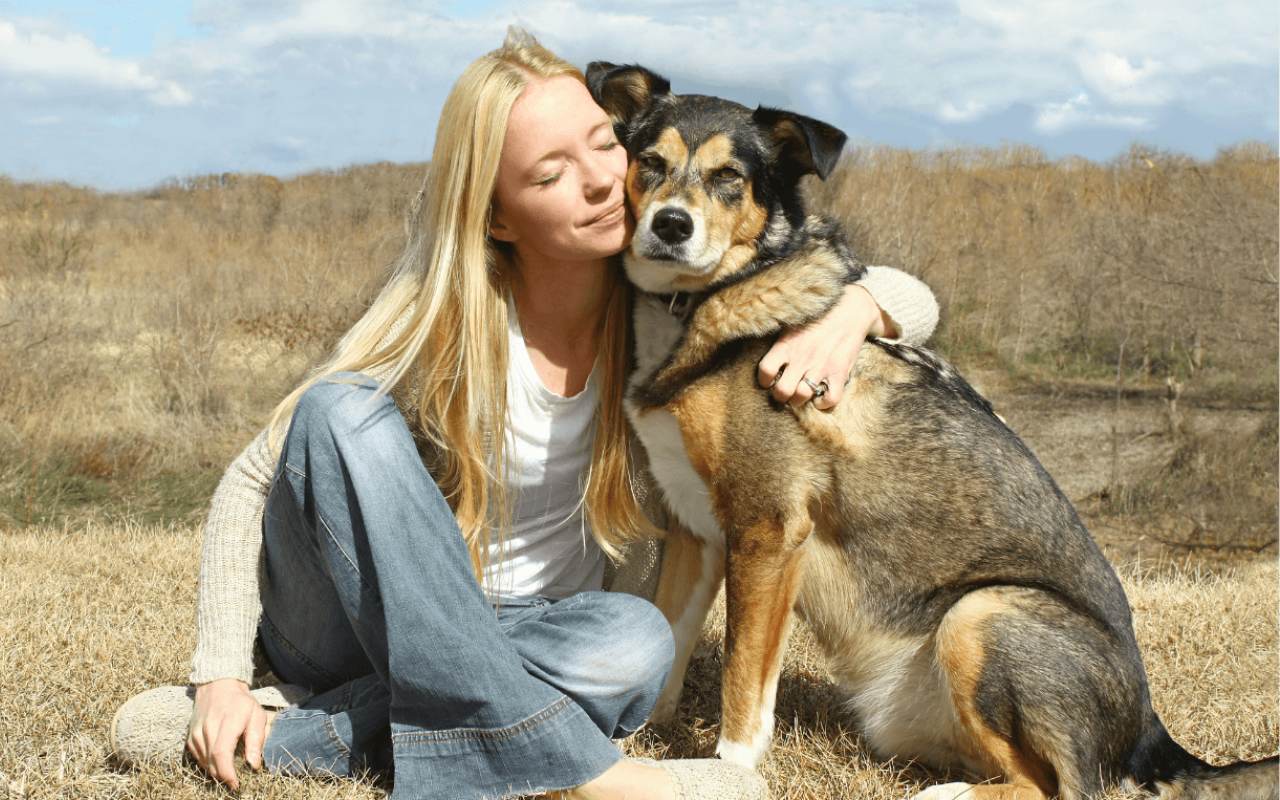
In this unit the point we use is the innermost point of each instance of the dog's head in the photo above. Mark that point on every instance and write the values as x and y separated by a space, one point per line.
712 184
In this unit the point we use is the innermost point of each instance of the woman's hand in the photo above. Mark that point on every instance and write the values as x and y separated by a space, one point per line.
225 712
825 349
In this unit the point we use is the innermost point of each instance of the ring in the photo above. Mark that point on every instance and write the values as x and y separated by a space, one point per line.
819 388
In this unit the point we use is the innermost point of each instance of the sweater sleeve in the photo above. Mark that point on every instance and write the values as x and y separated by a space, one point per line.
907 300
227 600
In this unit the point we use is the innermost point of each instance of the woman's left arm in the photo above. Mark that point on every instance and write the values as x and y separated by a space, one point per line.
886 303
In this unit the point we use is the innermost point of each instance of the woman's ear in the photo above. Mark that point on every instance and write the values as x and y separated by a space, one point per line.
624 91
498 227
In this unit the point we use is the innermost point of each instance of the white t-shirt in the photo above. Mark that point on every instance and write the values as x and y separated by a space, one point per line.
550 550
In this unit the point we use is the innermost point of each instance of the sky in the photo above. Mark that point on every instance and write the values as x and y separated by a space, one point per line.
124 95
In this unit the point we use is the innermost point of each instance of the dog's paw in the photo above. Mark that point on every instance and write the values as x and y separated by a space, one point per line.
946 791
744 755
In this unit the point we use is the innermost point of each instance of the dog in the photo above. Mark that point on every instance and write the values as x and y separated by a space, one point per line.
964 609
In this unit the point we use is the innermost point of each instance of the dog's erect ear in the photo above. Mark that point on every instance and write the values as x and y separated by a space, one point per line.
624 90
804 143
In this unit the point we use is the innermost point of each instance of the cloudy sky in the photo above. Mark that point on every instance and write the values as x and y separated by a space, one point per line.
121 95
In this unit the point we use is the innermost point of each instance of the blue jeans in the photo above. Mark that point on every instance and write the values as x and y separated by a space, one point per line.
369 599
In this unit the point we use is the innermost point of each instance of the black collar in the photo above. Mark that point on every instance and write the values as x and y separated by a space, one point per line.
678 304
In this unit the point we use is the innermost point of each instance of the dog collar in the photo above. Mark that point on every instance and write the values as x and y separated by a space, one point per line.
679 304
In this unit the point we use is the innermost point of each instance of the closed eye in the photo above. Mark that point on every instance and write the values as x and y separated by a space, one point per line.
652 162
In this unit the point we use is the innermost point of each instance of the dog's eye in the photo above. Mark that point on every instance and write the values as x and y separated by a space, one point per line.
652 162
727 175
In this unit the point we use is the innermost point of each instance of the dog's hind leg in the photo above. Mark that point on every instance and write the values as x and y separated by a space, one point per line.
765 566
692 570
1045 695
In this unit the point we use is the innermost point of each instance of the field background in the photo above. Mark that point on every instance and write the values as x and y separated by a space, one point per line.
1122 316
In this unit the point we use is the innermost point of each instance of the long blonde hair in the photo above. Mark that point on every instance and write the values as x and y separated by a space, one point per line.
450 282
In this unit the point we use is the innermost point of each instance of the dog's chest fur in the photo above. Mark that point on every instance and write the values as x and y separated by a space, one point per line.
686 493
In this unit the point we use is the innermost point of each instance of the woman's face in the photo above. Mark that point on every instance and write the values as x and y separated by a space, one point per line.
560 181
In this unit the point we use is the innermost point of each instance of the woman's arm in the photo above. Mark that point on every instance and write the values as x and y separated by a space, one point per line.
228 604
886 302
906 301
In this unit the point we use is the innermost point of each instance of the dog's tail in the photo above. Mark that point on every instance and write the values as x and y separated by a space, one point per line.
1174 774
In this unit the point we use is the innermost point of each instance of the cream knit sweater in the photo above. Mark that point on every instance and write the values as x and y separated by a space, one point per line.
228 606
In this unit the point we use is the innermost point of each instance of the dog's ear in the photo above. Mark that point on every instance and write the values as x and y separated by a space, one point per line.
625 90
804 144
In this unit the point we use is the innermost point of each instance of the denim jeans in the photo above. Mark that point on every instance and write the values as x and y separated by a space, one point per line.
369 600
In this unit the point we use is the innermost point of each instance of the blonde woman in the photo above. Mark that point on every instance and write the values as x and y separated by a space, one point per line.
420 542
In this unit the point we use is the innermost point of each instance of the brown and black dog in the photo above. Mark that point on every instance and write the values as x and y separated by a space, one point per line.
963 607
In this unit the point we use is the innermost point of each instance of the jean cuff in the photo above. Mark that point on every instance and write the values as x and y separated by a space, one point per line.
304 741
558 747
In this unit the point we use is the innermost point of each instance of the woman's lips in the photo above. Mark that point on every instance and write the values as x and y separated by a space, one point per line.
610 217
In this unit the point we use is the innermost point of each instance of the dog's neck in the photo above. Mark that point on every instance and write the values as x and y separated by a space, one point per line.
679 304
790 293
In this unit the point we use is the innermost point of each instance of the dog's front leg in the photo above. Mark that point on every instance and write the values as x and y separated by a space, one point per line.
761 584
687 585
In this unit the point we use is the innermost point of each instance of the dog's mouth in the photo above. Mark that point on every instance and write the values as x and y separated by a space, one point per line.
653 254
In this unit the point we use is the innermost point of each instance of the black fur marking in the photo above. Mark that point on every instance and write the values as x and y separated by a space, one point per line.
935 369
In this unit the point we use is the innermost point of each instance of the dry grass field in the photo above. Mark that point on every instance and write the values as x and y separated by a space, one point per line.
1121 315
94 613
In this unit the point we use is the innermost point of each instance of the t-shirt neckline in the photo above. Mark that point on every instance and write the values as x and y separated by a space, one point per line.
527 369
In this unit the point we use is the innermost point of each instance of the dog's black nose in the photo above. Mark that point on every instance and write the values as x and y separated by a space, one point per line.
673 225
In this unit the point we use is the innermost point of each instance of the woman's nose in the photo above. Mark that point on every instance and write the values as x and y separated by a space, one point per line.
597 179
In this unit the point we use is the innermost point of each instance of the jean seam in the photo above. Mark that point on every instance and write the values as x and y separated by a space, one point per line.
337 740
329 532
463 734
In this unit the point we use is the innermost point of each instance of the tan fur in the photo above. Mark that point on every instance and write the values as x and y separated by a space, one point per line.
759 622
960 654
849 428
738 226
713 154
670 145
688 582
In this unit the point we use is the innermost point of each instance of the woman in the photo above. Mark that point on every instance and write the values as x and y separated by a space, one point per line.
481 392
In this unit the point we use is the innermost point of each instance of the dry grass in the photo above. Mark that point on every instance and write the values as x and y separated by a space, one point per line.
92 615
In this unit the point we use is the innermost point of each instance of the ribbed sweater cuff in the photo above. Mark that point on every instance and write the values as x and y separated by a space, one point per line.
223 665
907 300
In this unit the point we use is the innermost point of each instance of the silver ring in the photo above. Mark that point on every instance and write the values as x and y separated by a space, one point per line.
819 389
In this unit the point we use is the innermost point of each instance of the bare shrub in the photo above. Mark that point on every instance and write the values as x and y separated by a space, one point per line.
1050 265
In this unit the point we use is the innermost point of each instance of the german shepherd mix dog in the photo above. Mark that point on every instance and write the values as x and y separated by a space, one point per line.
963 607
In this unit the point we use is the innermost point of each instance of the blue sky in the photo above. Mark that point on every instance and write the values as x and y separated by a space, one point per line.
122 95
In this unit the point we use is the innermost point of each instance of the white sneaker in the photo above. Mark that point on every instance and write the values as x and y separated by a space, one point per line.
711 779
152 725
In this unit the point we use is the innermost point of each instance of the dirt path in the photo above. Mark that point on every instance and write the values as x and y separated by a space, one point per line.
1072 436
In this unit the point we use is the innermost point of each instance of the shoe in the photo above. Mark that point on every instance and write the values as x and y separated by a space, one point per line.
152 725
711 779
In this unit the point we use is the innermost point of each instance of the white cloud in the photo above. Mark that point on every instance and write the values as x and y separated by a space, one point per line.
1078 112
966 112
1121 82
37 56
